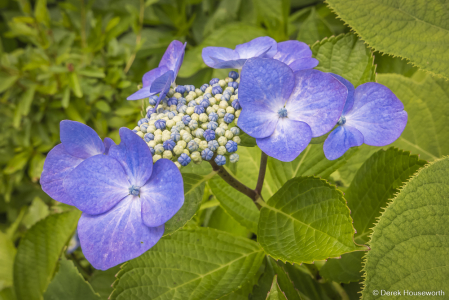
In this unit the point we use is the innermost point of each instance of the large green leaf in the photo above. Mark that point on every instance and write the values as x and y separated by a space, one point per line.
346 56
7 253
426 102
38 253
305 221
69 284
313 28
274 15
193 195
101 281
417 30
275 292
190 264
410 243
221 220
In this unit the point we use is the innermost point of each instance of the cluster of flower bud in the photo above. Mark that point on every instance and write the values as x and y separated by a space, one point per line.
193 124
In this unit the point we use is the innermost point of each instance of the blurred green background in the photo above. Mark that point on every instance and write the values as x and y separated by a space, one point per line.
80 59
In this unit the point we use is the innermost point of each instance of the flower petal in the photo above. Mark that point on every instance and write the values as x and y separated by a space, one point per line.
257 121
56 166
141 94
163 195
318 100
151 76
289 51
162 85
97 184
288 140
134 156
116 236
340 140
107 144
213 56
350 98
228 64
80 140
303 64
377 113
263 47
173 57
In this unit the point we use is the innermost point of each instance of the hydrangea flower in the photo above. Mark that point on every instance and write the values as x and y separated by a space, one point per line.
125 200
285 110
78 143
158 81
372 115
224 58
297 55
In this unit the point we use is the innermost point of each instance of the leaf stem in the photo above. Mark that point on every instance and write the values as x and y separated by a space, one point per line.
262 171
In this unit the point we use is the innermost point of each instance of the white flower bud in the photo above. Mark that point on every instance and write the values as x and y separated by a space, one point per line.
221 150
216 107
204 125
237 140
219 132
187 137
193 94
189 98
197 140
167 154
178 150
198 100
166 137
229 79
223 104
137 128
170 123
232 98
209 89
230 88
218 97
177 119
178 165
237 80
195 116
221 112
228 134
198 92
190 110
182 132
187 129
151 144
230 109
158 138
156 158
151 128
203 117
212 101
202 145
140 133
177 95
237 113
222 141
181 144
173 108
159 149
210 110
186 151
222 83
220 121
224 126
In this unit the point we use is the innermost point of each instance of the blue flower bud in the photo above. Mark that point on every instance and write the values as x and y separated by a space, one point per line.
207 154
235 130
213 117
205 103
231 146
193 124
226 97
150 112
175 136
212 125
180 89
172 101
236 91
233 84
152 151
214 81
160 124
234 158
182 108
153 99
233 74
217 90
144 127
186 119
136 131
207 96
184 159
192 146
209 135
171 115
182 101
204 87
236 105
142 121
191 104
213 145
190 88
160 109
220 160
199 109
199 133
148 137
159 149
228 118
169 145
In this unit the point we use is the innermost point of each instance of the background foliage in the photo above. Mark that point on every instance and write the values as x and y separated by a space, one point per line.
79 59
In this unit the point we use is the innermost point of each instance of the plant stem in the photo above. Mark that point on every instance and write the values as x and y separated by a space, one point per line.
138 37
262 171
233 181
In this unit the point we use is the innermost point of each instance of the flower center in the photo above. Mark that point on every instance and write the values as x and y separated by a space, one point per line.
134 190
342 120
282 113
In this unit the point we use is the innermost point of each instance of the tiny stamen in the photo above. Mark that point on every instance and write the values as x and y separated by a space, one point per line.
282 112
134 190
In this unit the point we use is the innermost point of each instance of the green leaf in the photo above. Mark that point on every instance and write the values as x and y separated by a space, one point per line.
193 195
220 220
17 163
103 106
75 84
409 243
227 36
190 264
310 162
416 30
7 254
27 99
101 281
427 130
305 221
346 269
274 15
69 284
275 292
36 212
313 29
38 253
346 56
6 81
389 64
41 12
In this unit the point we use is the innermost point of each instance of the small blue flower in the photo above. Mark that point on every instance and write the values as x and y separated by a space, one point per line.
117 201
169 145
142 121
199 109
160 124
297 55
205 103
212 125
214 81
220 160
213 117
233 74
172 101
186 119
184 159
284 117
236 105
204 87
209 135
176 136
372 115
217 90
148 137
231 146
180 89
213 145
207 154
228 118
233 158
233 84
